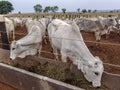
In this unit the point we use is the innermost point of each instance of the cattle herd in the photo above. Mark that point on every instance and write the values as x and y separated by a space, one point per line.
64 35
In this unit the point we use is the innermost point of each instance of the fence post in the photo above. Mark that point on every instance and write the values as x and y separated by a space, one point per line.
4 38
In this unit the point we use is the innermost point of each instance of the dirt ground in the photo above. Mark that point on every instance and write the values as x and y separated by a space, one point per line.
107 49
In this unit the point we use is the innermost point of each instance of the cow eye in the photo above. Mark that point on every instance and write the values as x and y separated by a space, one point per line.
13 48
96 73
89 66
111 19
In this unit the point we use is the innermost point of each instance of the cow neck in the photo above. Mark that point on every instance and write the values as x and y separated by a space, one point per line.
84 52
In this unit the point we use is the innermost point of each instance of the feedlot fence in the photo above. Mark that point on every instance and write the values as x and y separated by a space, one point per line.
65 15
86 41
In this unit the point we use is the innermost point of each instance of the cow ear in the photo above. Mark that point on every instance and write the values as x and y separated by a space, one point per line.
98 59
90 64
96 64
14 42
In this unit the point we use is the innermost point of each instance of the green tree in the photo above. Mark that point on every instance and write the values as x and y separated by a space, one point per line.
84 10
89 11
111 11
19 12
38 8
95 11
54 8
63 10
5 7
78 10
47 9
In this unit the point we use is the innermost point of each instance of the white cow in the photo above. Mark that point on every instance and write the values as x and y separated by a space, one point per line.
45 22
26 21
10 29
28 45
17 21
42 22
100 26
116 28
68 39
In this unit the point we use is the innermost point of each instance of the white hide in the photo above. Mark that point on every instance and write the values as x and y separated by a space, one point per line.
17 22
92 74
100 26
68 39
28 45
42 23
10 29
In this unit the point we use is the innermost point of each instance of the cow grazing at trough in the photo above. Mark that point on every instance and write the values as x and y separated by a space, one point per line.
68 39
100 26
31 44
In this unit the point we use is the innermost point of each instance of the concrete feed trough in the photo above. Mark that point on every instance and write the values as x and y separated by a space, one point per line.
24 80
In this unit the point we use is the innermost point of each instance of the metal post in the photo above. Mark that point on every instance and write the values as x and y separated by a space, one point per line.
4 38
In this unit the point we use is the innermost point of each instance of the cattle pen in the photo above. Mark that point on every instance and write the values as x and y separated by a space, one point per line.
65 15
19 79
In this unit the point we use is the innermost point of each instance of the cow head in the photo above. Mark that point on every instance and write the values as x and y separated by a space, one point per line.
19 50
112 21
92 71
14 50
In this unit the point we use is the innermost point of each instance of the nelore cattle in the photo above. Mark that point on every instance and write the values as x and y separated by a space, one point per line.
68 39
100 26
31 44
10 29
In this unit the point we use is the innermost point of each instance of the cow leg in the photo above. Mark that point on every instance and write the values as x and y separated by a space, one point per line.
8 35
75 62
39 50
97 36
107 33
13 33
107 36
64 57
74 59
50 41
45 39
55 52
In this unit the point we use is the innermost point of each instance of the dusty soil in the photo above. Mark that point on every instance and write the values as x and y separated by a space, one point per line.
107 49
